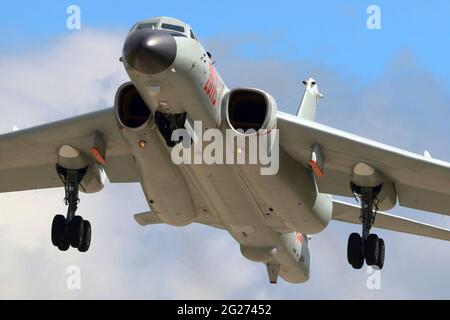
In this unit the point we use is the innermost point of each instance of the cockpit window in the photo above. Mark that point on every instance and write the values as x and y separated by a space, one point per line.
192 35
146 26
172 27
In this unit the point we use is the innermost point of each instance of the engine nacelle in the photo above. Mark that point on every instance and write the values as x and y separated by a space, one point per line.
297 201
131 111
250 109
162 181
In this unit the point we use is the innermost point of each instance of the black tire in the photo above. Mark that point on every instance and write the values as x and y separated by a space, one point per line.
372 250
64 244
76 231
58 226
86 243
380 262
354 251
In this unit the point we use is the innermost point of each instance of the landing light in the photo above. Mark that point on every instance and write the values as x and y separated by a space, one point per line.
142 144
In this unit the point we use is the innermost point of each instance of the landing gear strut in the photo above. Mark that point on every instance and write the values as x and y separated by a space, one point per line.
368 246
71 230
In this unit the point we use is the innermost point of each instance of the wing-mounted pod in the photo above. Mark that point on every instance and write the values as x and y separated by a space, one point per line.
364 175
73 159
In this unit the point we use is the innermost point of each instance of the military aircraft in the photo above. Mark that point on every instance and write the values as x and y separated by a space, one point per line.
173 84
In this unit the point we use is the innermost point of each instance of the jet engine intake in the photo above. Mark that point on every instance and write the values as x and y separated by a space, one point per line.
131 111
250 109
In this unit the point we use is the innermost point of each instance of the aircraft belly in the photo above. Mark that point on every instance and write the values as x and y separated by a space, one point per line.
243 204
291 194
163 184
229 199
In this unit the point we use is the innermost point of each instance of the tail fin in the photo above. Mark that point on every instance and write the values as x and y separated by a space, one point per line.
308 105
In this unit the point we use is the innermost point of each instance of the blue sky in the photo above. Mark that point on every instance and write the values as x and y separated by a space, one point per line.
391 85
330 32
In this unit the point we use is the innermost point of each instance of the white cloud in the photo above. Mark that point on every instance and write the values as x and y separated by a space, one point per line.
81 72
75 74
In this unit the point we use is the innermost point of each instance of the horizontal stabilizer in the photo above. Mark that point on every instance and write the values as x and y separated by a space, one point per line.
345 212
150 218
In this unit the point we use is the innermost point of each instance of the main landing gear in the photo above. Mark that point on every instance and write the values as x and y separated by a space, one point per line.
71 230
368 246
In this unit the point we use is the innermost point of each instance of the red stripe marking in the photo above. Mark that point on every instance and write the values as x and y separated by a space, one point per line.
315 167
98 156
210 86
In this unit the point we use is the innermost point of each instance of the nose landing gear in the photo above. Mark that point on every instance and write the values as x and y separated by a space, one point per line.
367 246
71 230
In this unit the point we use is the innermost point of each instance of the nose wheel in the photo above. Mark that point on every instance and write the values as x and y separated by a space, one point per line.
367 246
72 230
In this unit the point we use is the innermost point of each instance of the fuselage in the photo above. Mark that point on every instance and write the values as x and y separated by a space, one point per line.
268 215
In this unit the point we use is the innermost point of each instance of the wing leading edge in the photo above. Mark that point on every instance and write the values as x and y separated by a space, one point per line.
421 183
28 157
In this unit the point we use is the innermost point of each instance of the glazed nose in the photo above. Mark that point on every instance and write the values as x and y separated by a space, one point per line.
150 51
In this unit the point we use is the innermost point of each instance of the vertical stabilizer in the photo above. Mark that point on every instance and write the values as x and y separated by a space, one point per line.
308 105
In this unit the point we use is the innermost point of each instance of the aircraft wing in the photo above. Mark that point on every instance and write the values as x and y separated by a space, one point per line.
345 212
421 183
28 157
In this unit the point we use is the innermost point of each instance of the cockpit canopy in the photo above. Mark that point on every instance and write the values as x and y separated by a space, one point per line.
174 26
